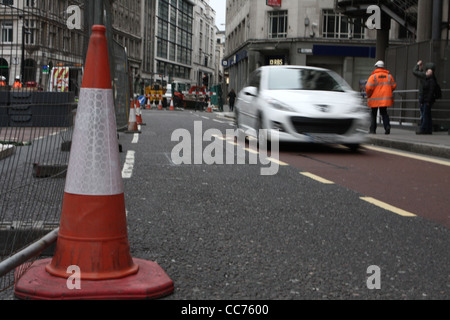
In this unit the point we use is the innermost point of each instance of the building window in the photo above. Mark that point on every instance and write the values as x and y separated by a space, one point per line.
278 21
8 2
7 31
339 26
30 31
174 35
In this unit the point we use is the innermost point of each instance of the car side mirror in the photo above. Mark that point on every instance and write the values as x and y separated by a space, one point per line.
251 91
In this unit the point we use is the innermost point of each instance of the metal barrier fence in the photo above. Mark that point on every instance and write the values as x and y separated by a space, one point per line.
36 125
406 110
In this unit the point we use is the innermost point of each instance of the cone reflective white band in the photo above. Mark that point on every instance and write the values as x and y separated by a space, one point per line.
94 164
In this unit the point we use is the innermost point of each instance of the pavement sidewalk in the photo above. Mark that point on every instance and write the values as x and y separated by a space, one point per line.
403 138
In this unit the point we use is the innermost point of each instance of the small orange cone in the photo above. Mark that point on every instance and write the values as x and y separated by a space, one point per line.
171 105
132 120
149 106
160 104
93 232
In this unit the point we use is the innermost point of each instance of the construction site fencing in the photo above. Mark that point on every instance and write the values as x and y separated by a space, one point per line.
36 125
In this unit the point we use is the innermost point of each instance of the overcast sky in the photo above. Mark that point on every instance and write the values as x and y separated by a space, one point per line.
219 7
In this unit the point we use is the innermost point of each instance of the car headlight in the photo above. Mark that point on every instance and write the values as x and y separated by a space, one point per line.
279 105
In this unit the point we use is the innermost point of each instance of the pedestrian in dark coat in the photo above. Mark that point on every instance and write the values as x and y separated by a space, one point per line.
429 91
232 99
419 72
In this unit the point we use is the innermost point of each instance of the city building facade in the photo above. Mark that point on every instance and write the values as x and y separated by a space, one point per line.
35 37
313 33
204 44
164 40
127 32
179 42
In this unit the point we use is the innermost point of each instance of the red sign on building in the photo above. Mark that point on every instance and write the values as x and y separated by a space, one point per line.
273 3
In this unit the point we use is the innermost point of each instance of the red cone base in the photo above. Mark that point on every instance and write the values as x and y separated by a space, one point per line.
151 282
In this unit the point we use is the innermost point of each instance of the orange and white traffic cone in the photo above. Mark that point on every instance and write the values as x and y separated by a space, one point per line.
160 107
149 106
93 239
171 105
132 120
209 106
139 114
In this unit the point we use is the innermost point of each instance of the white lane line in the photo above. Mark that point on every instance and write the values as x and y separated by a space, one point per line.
135 138
128 166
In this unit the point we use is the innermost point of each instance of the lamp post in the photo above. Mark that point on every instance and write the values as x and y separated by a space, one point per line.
22 62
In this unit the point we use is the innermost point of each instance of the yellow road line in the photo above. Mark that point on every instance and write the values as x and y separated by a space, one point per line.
317 178
280 163
409 155
388 207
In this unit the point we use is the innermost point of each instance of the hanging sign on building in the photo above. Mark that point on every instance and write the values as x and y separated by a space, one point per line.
273 3
275 60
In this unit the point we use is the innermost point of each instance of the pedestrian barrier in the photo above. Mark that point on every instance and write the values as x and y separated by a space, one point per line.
93 233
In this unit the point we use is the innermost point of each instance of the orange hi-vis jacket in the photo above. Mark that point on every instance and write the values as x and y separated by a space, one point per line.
380 88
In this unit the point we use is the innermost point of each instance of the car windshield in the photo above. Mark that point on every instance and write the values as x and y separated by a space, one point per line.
305 79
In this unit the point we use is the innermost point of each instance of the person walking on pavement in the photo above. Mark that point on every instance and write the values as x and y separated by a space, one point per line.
379 89
429 90
420 73
231 99
2 81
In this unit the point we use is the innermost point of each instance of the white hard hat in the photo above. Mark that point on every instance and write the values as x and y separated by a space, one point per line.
2 78
17 77
379 64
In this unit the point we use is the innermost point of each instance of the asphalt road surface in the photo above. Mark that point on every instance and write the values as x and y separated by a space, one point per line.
330 224
227 232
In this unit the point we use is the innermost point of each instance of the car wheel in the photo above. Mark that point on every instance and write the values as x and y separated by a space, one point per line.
353 147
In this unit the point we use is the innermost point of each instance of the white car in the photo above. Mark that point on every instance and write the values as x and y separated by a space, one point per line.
304 104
